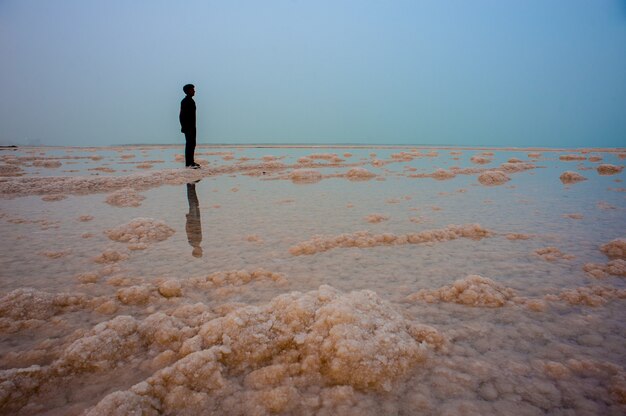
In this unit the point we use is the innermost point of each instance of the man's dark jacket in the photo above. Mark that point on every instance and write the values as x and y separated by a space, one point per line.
187 115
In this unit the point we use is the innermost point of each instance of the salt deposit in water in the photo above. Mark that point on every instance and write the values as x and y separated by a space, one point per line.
608 169
364 239
126 197
493 177
474 290
141 230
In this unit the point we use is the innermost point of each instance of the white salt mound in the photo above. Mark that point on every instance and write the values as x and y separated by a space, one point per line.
141 230
493 177
474 290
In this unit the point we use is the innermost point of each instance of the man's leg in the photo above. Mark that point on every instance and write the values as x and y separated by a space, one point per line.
190 147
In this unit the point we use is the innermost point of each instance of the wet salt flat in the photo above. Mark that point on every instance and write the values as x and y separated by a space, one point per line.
312 280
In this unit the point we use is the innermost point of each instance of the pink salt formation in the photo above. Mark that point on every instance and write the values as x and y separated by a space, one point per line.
305 175
364 239
569 176
615 267
141 230
552 254
493 177
480 160
588 295
356 174
126 197
608 169
271 359
474 290
571 157
615 249
376 218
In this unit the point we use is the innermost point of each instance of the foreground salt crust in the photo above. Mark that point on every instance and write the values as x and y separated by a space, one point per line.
364 239
279 357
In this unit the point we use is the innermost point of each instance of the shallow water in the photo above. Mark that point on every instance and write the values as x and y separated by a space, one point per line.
322 296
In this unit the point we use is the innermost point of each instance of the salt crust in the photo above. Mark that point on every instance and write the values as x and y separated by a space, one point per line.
110 256
474 290
282 357
364 239
53 197
572 157
614 267
376 218
571 177
607 169
305 175
10 170
493 177
552 254
615 249
26 307
278 357
588 295
47 163
359 174
141 230
480 160
126 197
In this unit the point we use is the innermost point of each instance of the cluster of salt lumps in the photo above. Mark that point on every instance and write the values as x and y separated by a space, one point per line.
480 160
572 157
141 230
262 360
28 307
10 170
110 256
615 248
47 163
615 267
126 197
332 157
589 296
235 278
571 177
607 169
552 254
493 177
305 175
359 174
474 290
376 218
364 239
442 174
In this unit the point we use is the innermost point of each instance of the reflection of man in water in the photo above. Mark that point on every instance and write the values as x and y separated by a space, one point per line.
193 225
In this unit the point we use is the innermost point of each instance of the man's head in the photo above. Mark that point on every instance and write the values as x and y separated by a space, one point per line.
189 89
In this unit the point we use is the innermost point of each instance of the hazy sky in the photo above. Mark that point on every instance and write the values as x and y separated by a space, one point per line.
464 72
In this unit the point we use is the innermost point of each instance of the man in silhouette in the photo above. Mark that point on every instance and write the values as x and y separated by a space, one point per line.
193 225
187 119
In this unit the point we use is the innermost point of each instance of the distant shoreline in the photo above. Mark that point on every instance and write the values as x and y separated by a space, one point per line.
329 146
